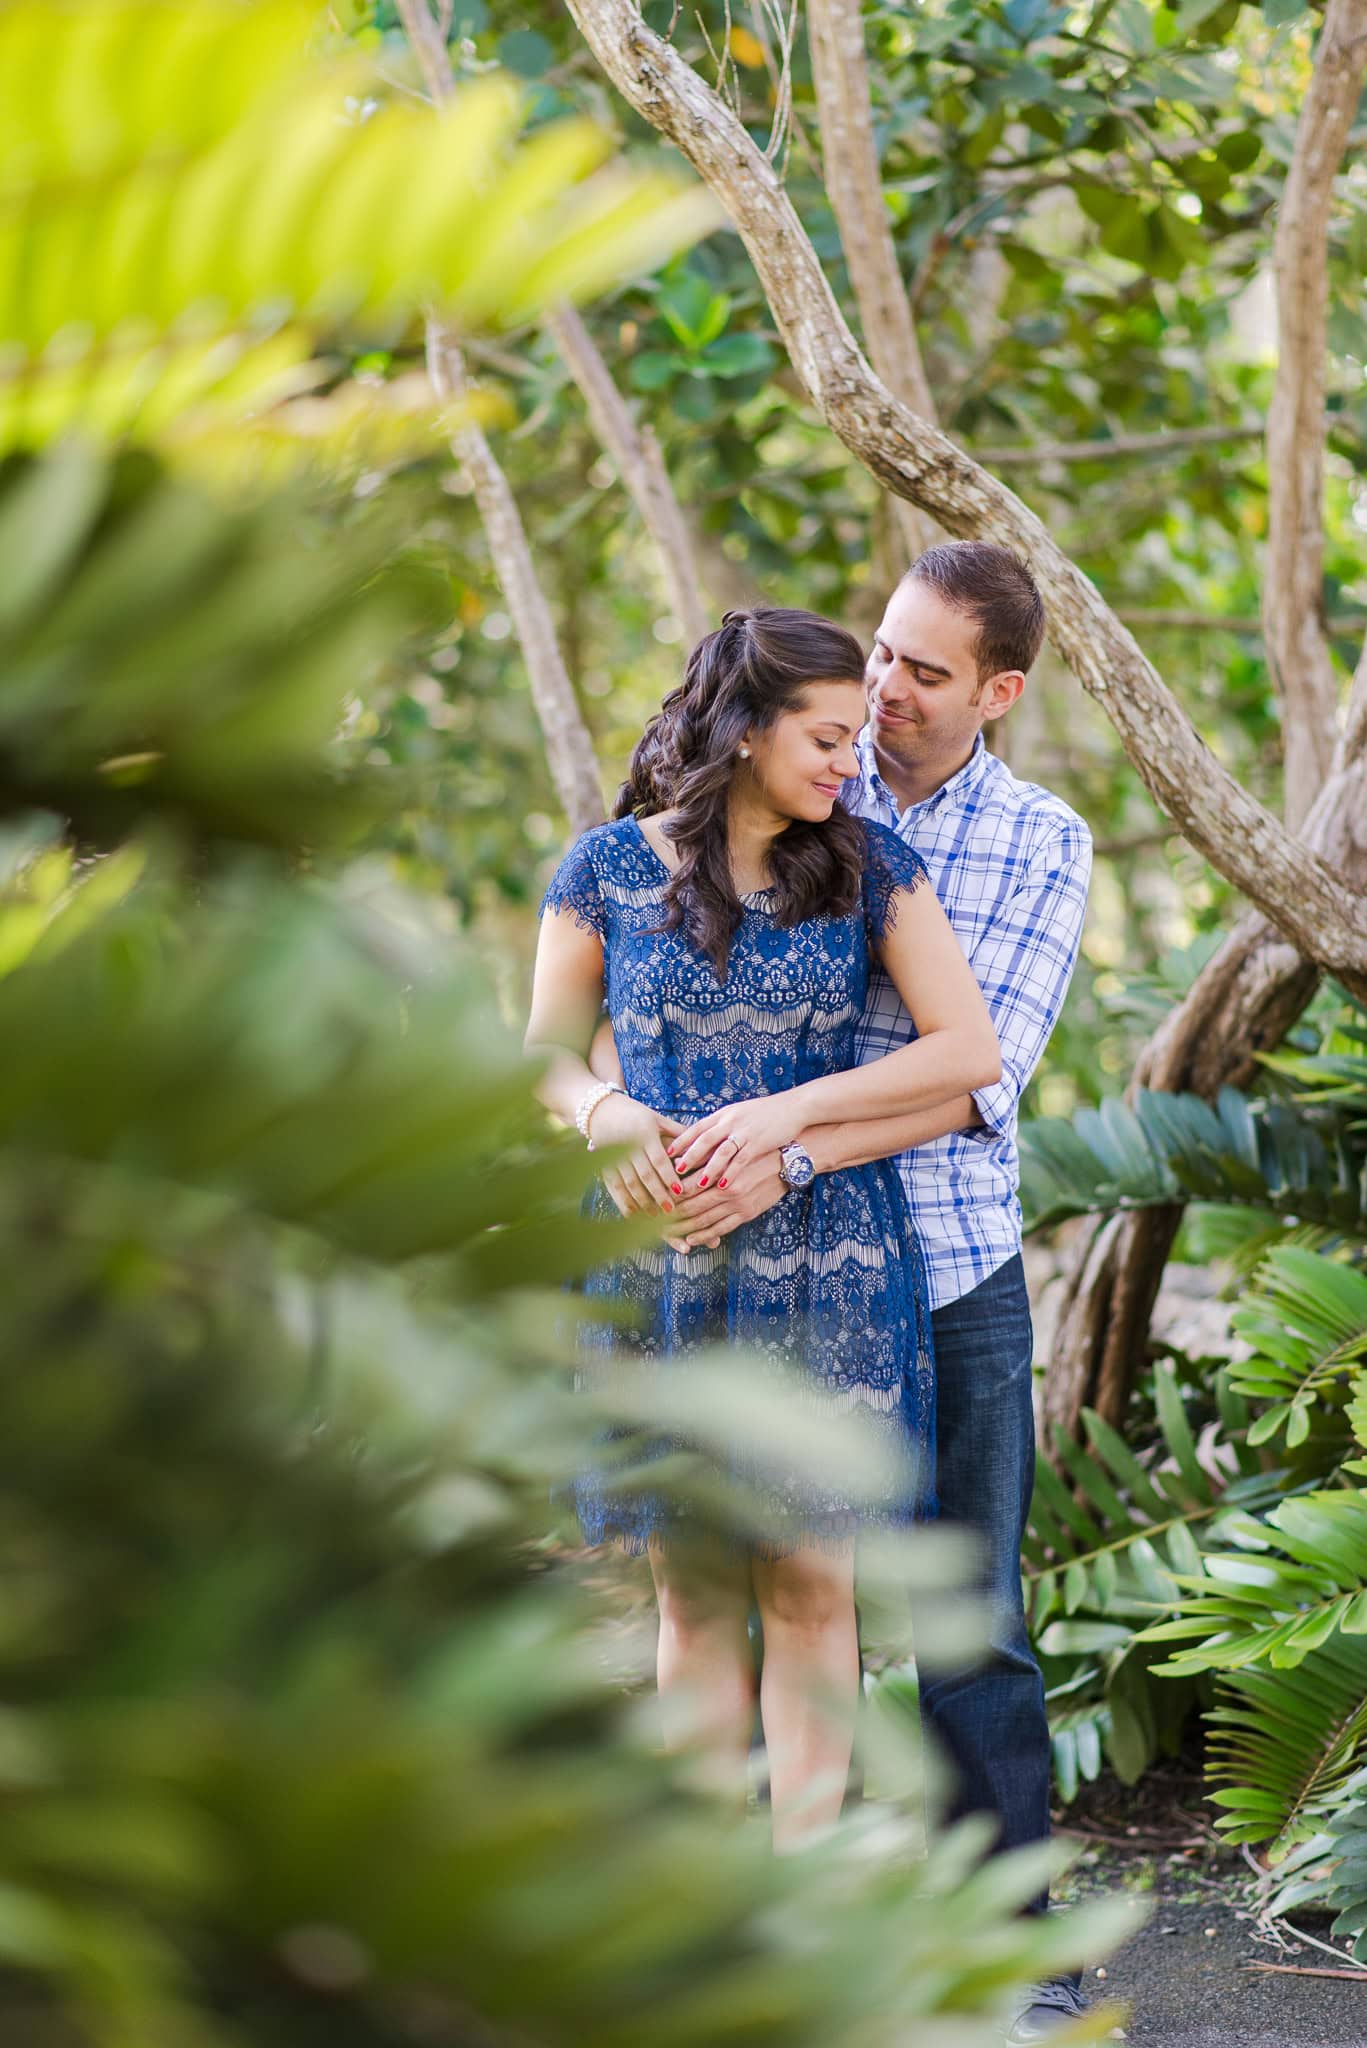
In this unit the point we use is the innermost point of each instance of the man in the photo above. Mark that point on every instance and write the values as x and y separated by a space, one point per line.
1010 863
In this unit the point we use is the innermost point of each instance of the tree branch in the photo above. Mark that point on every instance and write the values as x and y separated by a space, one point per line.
1297 651
854 186
569 745
1220 622
913 459
1116 444
635 455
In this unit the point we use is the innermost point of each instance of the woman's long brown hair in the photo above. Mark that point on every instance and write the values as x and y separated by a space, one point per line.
743 678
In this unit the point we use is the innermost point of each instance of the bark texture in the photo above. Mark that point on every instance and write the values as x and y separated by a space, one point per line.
854 186
1293 577
1294 888
634 452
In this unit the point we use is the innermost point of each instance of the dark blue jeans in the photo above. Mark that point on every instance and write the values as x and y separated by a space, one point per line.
991 1720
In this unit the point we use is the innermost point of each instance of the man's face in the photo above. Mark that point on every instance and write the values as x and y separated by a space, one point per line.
927 703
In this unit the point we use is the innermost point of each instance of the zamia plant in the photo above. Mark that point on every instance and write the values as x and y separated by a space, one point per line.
120 570
1111 1531
1250 1605
1125 1535
198 198
1282 1617
1306 1324
1329 1871
1263 1156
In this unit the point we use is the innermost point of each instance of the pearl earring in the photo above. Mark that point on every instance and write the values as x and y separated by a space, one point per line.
745 753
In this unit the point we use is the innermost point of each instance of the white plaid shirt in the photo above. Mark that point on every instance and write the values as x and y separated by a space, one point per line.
1010 863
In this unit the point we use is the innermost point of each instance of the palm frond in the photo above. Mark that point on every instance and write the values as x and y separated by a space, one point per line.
1306 1320
1328 1871
196 196
1109 1533
124 695
1179 1148
1250 1605
1284 1745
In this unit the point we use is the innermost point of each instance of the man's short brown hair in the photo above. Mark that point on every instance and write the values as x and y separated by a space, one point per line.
995 588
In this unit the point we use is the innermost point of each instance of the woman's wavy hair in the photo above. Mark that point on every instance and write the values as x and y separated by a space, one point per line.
742 678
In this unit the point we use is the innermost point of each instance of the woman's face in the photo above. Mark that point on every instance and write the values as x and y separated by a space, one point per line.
801 760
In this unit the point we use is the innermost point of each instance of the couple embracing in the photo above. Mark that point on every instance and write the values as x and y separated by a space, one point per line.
832 934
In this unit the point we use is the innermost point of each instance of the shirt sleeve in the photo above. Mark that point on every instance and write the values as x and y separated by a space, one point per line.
890 869
1024 962
574 887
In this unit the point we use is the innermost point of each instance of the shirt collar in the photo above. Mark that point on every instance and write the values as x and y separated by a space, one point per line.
957 790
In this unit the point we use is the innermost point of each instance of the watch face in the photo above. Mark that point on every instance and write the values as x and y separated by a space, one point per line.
798 1170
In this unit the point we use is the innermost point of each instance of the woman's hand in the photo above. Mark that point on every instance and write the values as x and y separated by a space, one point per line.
743 1130
646 1181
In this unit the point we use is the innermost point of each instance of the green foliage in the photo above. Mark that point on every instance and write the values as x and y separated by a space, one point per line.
122 571
1178 1148
1110 1534
198 197
1248 1576
1329 1871
1249 1605
1307 1326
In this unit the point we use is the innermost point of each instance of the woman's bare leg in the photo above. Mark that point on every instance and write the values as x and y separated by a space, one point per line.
704 1664
810 1686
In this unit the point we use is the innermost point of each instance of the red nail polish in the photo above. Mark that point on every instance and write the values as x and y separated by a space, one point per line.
676 1189
703 1182
722 1182
668 1208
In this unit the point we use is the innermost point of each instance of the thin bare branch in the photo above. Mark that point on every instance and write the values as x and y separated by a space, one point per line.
1159 617
569 745
634 452
1296 889
1036 452
427 40
1297 650
854 186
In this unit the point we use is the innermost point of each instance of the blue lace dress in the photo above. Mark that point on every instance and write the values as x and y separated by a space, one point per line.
829 1281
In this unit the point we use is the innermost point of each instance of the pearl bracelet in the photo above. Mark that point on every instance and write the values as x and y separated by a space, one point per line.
589 1102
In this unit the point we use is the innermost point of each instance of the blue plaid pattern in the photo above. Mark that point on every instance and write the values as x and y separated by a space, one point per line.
1010 863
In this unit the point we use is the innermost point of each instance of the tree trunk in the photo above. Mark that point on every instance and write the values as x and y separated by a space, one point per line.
569 745
1293 572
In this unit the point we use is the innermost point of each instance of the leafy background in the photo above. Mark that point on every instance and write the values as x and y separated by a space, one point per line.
304 1733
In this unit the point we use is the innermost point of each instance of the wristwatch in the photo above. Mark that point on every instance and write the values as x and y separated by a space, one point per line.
795 1168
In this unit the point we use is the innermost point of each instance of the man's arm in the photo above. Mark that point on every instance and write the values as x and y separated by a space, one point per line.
832 1146
1023 962
714 1212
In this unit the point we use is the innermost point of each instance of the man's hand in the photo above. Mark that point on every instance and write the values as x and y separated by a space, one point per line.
706 1215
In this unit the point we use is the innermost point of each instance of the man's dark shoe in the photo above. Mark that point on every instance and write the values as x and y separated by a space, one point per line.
1047 2010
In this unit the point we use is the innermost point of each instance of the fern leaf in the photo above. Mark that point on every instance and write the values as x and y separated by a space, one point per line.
1306 1321
1252 1606
192 176
1284 1746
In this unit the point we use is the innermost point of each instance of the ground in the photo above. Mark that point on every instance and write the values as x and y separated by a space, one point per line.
1201 1973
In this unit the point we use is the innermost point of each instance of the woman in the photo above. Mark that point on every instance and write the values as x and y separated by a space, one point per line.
729 916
